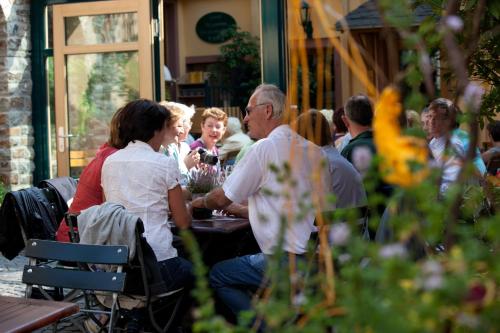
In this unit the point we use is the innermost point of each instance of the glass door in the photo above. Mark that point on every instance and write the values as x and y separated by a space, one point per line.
102 60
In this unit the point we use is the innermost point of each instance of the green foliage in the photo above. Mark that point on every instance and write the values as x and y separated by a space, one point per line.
107 81
3 191
239 68
440 270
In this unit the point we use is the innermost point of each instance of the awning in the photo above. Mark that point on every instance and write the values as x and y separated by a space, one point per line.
367 16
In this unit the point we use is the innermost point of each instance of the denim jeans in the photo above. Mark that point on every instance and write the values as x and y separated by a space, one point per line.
235 280
177 272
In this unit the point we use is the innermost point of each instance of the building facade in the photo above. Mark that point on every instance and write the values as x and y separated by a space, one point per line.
16 130
67 65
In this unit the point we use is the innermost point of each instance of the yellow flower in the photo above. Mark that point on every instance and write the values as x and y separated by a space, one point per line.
404 158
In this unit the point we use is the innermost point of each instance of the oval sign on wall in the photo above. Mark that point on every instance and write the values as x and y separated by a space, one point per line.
213 27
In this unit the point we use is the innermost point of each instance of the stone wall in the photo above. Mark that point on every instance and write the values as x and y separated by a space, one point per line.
16 131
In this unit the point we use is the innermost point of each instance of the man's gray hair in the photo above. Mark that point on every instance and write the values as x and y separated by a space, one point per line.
269 93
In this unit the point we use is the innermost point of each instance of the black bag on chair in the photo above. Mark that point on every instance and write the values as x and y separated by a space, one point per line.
59 191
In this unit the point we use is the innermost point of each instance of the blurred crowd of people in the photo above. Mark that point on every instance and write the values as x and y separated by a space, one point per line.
150 159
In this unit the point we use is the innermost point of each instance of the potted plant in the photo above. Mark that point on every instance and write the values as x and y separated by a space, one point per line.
201 182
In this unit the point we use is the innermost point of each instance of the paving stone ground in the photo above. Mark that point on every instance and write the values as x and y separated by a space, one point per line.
10 276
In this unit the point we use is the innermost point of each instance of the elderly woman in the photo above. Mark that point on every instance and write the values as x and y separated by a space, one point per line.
213 127
234 141
178 148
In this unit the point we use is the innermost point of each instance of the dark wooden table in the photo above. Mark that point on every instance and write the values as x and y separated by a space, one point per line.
25 315
220 225
220 238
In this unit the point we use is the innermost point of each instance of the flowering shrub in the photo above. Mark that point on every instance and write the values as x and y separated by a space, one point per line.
436 268
404 157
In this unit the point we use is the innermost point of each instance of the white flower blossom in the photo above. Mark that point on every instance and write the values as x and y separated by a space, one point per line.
344 257
392 251
473 95
362 159
454 23
339 234
432 276
432 282
299 299
432 267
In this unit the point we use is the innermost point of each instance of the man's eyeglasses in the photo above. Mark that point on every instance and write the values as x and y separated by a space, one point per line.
249 109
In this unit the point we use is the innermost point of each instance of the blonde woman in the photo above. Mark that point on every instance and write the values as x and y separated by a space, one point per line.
213 127
178 148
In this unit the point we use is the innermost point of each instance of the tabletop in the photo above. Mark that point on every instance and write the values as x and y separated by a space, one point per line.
220 224
25 315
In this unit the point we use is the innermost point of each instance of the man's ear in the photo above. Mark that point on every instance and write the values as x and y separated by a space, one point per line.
346 121
269 112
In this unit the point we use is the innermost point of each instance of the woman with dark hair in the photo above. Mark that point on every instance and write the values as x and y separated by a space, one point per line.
346 183
146 183
89 190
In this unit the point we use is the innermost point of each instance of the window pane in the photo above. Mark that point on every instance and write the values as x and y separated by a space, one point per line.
101 29
98 84
49 70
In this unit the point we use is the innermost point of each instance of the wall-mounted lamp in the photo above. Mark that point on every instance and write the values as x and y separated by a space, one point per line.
305 19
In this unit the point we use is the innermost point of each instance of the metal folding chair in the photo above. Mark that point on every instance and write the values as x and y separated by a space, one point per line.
42 272
144 279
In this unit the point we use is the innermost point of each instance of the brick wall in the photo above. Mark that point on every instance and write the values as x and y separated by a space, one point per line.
16 132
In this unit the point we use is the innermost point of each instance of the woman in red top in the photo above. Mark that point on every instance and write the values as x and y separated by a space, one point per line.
89 191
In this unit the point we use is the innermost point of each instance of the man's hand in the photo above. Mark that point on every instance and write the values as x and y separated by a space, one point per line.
213 200
235 209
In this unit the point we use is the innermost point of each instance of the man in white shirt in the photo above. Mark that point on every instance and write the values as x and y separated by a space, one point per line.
278 175
446 149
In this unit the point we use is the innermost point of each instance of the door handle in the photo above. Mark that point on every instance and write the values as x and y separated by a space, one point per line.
61 139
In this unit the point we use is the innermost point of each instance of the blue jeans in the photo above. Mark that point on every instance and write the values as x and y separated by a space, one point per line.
235 280
177 273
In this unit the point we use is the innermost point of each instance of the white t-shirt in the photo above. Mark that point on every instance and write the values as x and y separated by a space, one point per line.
139 178
270 200
450 163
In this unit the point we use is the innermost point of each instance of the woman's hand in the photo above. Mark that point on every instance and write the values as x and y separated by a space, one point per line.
192 159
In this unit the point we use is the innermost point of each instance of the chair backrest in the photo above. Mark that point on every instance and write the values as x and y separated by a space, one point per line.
71 277
77 279
144 278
